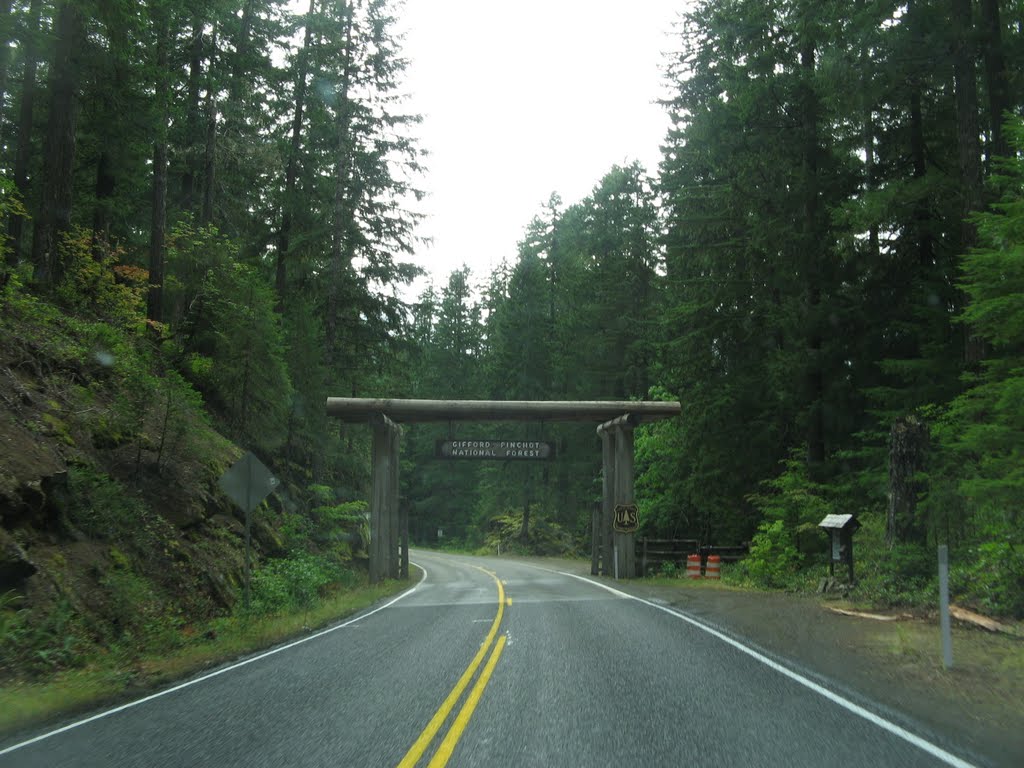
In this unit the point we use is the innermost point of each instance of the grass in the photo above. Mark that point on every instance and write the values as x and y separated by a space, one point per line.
987 672
731 579
987 676
113 677
719 584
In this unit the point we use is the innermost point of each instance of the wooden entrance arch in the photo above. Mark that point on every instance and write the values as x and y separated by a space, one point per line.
612 550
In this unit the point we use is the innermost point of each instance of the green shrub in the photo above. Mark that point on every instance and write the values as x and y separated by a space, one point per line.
130 599
990 576
38 641
96 284
12 627
293 583
792 505
901 576
345 522
226 313
546 537
295 529
323 494
101 507
773 560
54 641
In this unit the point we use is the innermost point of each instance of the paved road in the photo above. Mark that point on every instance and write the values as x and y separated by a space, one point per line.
563 673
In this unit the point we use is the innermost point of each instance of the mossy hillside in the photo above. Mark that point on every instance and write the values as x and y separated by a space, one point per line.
116 544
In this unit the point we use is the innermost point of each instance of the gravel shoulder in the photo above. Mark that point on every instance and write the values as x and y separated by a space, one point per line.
979 703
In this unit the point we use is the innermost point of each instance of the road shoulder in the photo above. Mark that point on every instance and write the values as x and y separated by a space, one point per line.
896 664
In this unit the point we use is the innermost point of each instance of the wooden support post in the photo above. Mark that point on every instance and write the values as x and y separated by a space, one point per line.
394 529
378 502
643 557
384 559
595 538
403 522
944 630
607 499
625 543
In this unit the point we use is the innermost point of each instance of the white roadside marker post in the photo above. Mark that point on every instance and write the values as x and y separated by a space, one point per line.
947 638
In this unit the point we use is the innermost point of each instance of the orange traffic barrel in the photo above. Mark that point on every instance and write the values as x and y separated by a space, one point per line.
693 566
713 570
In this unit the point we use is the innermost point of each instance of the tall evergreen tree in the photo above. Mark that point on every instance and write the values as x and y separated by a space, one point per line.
54 216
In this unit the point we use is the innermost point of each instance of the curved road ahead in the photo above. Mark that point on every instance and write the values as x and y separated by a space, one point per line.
563 671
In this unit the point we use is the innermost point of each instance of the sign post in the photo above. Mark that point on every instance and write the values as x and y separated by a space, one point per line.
944 628
247 483
841 529
607 499
625 508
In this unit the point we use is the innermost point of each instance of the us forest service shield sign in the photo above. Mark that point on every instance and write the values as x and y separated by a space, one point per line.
626 518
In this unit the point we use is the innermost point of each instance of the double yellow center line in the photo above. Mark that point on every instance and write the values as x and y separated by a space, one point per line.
444 752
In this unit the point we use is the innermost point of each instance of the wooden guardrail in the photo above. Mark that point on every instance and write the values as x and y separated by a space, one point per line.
651 553
728 554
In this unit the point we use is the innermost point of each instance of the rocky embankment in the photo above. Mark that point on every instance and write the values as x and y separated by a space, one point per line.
112 528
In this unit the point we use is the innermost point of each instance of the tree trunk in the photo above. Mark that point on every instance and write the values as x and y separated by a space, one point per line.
291 172
111 78
968 144
106 182
814 381
341 244
236 135
995 78
54 215
242 53
22 158
5 47
868 133
524 530
922 217
210 149
908 440
157 235
195 70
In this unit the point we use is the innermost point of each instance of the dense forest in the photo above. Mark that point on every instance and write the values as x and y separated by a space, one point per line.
825 269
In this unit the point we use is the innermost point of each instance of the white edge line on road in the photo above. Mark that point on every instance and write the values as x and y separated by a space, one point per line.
215 673
932 749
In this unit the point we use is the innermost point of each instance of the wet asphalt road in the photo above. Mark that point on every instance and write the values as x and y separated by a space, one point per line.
585 677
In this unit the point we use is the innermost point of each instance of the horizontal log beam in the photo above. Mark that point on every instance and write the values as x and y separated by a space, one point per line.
360 409
626 420
380 419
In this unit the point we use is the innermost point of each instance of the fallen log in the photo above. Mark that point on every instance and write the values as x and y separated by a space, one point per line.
962 614
861 615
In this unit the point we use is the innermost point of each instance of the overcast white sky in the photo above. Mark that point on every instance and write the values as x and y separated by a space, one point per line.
522 99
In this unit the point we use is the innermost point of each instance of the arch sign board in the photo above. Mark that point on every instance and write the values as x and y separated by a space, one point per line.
518 450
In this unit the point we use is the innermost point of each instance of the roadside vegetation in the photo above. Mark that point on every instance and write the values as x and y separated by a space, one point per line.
149 341
123 564
947 471
61 673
